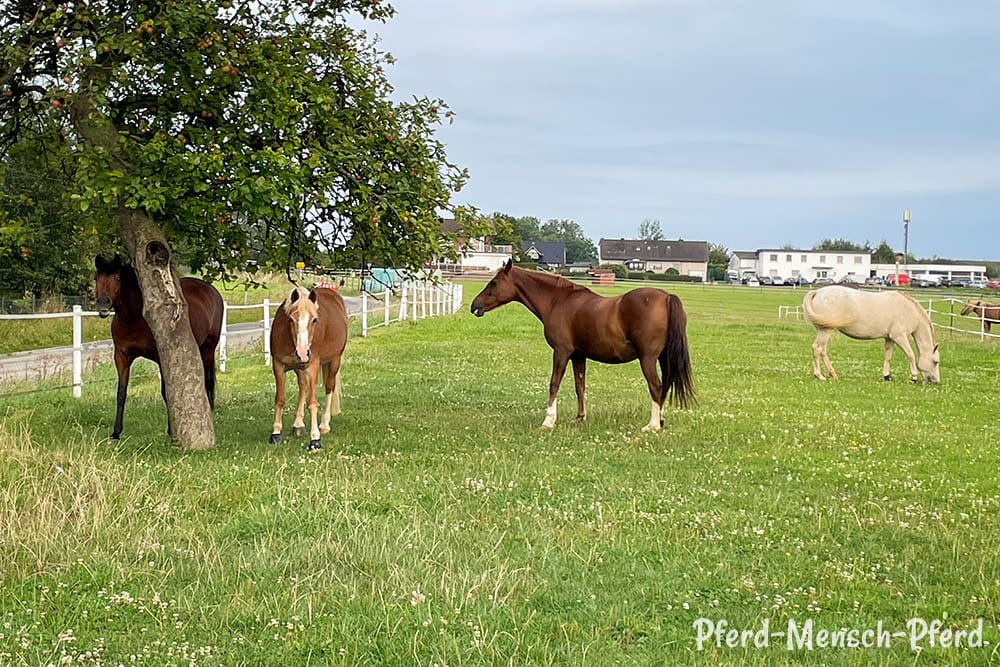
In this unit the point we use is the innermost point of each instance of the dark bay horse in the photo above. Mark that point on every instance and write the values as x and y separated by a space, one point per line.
117 288
645 324
988 313
309 332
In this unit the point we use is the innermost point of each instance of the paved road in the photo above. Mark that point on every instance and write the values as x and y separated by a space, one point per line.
36 365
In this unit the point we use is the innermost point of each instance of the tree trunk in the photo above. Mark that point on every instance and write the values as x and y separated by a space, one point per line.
166 312
164 306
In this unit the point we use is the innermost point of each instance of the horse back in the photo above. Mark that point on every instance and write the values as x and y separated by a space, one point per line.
205 310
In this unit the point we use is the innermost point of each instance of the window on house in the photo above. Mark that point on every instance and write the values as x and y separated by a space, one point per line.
774 258
822 260
788 258
803 259
857 259
840 259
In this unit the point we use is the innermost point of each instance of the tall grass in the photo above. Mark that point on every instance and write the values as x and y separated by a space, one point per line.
441 526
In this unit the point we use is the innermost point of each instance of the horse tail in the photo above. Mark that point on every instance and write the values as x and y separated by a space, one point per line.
815 318
675 360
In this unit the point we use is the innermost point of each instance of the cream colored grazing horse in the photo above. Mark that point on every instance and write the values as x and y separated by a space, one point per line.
892 316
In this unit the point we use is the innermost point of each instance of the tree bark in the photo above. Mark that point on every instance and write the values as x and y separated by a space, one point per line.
166 311
164 306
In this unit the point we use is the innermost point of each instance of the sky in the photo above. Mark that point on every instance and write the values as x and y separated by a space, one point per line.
750 123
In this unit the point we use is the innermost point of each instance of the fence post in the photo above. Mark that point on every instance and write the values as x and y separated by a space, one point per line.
982 324
423 300
387 306
402 302
461 296
223 337
77 351
364 313
267 331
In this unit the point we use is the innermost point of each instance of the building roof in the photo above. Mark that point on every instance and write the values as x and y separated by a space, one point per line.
550 252
817 252
746 254
673 251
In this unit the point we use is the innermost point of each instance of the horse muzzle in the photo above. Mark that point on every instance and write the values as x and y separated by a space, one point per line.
477 310
104 308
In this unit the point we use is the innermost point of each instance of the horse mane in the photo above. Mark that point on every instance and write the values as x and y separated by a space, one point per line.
289 306
558 281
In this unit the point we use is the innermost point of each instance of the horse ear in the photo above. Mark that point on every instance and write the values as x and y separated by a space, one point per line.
99 263
510 263
936 346
294 296
312 295
117 261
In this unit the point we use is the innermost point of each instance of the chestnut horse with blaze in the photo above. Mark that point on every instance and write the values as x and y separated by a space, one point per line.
309 333
117 289
645 324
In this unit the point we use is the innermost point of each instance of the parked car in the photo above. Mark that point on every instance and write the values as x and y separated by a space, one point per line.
753 282
922 282
978 283
875 280
993 284
897 280
795 281
819 282
777 281
764 280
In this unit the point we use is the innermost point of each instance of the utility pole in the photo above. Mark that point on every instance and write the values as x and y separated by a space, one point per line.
906 240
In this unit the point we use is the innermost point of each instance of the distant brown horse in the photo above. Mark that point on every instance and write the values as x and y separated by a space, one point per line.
309 332
988 313
645 324
117 288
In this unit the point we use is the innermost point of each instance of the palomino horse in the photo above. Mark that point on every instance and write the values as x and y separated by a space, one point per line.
117 288
645 324
309 332
893 316
988 313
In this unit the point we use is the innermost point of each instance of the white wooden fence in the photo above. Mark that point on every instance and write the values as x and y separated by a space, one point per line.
412 300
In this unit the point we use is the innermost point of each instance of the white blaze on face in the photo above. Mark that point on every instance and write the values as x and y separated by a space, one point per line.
302 339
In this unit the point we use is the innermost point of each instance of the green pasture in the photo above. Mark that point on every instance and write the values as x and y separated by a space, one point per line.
440 526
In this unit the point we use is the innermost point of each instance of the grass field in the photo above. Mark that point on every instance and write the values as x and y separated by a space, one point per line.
440 526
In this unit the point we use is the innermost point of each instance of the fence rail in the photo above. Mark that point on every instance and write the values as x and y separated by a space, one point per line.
977 323
412 300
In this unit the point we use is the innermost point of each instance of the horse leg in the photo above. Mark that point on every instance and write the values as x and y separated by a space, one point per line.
279 400
904 344
331 383
299 425
312 374
819 347
887 365
163 393
123 365
208 361
648 365
559 360
580 380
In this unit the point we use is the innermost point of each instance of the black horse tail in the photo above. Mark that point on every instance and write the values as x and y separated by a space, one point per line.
675 361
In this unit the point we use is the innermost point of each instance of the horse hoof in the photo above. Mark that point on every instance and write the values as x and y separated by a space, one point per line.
579 420
299 431
116 437
915 380
650 428
324 429
887 378
275 439
314 446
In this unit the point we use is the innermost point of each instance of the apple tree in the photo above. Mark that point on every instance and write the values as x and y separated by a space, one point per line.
225 134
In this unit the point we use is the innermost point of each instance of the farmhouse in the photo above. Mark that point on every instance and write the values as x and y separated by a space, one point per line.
476 254
688 258
547 254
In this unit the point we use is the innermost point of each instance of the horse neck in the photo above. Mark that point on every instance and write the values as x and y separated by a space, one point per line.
538 292
129 305
923 335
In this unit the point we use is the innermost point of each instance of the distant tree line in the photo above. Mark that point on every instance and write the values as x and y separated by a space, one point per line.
509 229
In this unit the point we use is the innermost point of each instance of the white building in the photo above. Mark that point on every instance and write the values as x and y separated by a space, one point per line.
474 255
785 263
934 272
